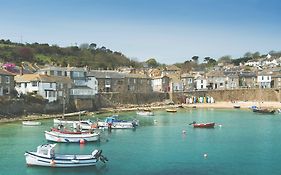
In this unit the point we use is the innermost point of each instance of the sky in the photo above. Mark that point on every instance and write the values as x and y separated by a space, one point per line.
171 31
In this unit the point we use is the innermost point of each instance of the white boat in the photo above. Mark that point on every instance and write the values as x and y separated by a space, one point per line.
114 123
31 123
82 124
145 113
56 136
46 156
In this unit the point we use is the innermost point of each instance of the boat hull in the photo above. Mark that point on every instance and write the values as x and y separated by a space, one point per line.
68 161
204 125
65 138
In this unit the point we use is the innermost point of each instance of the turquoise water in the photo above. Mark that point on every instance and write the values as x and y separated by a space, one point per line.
246 143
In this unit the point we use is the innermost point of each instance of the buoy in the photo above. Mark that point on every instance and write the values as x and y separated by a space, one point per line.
205 155
184 131
82 141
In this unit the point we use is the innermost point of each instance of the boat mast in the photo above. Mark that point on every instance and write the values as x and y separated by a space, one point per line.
63 104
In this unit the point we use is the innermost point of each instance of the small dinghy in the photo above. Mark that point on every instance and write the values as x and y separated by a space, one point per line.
46 156
31 123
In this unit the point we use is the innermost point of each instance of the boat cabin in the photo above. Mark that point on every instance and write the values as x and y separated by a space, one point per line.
47 150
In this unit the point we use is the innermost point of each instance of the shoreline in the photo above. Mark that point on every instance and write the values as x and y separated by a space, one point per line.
128 108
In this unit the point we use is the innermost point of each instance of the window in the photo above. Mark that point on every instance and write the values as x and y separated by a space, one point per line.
201 86
221 84
6 90
7 79
51 72
262 78
202 81
34 83
51 85
59 73
25 85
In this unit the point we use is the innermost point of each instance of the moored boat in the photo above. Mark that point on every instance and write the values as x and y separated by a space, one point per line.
171 110
57 136
203 125
145 112
114 123
237 106
82 124
46 156
31 123
264 111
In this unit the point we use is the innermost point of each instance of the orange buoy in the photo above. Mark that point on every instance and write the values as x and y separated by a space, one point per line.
82 141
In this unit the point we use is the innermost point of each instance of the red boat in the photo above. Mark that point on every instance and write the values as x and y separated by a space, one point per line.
204 125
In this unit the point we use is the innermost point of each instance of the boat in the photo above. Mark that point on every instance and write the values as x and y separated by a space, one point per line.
57 136
82 124
45 156
113 123
31 123
203 125
264 111
237 106
145 112
171 110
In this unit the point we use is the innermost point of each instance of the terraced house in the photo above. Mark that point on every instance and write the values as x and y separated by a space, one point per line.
6 83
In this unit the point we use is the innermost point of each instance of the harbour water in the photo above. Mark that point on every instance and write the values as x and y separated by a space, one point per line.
246 143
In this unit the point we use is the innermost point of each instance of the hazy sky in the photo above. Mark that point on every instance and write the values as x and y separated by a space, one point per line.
168 30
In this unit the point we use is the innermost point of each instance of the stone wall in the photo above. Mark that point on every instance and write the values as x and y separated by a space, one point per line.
235 95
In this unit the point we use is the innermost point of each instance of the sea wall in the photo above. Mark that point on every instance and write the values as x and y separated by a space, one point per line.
273 95
21 107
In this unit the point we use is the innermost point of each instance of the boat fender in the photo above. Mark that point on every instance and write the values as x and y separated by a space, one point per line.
53 163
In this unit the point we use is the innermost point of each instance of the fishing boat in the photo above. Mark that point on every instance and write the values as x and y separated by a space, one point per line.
82 124
203 125
46 156
31 123
65 137
171 110
114 123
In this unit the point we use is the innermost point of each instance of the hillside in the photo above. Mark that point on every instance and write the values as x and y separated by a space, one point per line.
90 55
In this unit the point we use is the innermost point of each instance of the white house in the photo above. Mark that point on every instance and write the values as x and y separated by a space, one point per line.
160 84
264 80
49 87
84 86
200 83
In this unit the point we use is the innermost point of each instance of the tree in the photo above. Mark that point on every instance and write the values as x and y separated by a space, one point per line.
225 59
195 59
152 63
206 59
256 55
93 46
248 55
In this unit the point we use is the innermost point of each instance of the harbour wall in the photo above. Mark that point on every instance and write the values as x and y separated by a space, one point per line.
273 95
